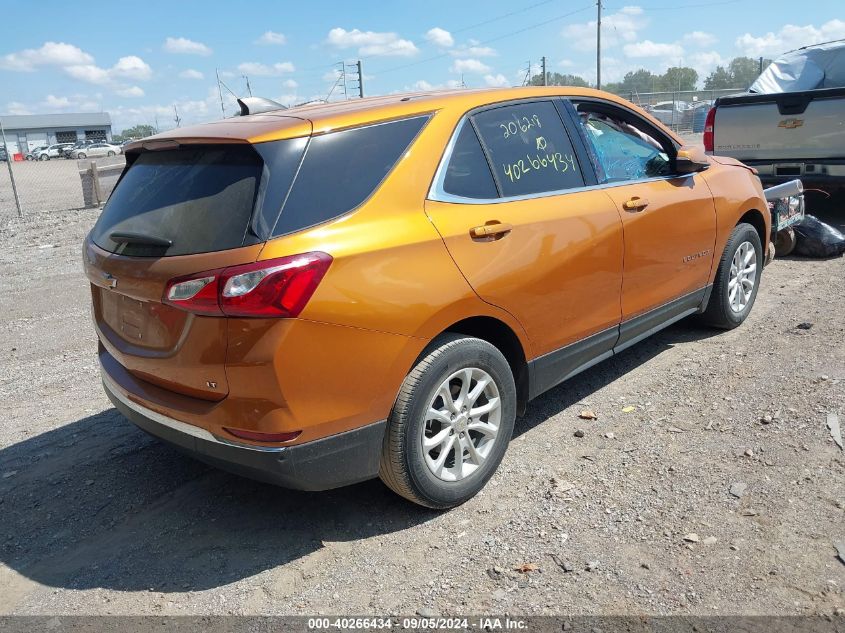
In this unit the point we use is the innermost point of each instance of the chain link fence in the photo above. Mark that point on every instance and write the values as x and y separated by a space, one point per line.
684 111
34 186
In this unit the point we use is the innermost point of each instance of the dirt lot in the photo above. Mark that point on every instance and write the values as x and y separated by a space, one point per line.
636 516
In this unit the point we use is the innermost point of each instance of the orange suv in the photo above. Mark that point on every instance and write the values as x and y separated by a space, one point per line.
326 294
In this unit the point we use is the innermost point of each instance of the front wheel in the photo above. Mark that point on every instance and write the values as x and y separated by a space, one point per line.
81 156
451 423
737 279
44 157
110 154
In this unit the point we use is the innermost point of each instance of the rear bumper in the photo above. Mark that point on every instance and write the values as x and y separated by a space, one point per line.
820 173
331 462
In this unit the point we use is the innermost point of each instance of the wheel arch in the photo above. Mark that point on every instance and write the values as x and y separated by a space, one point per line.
505 339
756 219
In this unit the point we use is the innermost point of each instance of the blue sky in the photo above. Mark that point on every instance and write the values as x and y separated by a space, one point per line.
137 60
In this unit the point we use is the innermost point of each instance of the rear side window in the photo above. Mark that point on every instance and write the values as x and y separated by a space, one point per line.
529 148
341 170
468 174
200 199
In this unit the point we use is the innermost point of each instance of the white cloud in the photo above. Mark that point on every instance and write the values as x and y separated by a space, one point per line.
705 62
788 38
469 66
473 51
190 73
183 45
89 73
647 48
271 38
290 83
372 43
422 86
134 91
263 70
132 67
78 103
440 37
497 81
617 28
50 54
566 63
16 107
700 39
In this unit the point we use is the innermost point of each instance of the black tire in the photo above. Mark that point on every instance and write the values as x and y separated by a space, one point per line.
403 467
785 242
44 157
719 312
81 155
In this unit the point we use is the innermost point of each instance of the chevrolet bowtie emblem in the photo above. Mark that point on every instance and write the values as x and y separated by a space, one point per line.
791 124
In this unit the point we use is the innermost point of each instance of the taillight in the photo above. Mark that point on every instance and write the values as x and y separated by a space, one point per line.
708 129
271 288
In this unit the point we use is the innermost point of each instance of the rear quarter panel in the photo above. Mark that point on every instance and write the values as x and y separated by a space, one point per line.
736 191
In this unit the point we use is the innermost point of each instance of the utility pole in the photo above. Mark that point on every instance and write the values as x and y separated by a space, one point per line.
11 173
360 77
543 65
248 88
156 117
219 92
176 118
527 80
761 66
598 46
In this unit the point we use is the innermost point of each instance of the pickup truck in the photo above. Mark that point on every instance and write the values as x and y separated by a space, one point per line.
791 123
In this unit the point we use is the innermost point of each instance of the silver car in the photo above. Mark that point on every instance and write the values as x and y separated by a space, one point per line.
51 151
96 150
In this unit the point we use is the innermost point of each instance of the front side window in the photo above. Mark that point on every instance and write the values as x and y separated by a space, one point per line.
468 174
621 150
529 148
342 169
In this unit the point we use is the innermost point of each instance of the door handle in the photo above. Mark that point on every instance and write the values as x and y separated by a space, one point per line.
635 204
493 230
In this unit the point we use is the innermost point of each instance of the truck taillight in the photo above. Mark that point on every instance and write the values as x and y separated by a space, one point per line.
271 288
708 129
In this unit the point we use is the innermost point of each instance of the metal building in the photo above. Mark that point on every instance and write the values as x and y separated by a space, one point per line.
26 132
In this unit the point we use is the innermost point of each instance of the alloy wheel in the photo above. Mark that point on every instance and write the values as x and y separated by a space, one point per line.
461 424
743 276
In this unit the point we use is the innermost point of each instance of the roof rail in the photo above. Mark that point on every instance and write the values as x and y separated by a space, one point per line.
256 105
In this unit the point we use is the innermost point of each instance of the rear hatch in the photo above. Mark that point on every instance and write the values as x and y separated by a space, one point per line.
182 206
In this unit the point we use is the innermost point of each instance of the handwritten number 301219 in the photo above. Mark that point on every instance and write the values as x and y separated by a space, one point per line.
522 124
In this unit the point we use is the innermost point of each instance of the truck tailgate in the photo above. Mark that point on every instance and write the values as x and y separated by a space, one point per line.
807 125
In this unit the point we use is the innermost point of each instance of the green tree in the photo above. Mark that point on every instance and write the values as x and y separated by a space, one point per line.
678 78
557 79
138 131
740 73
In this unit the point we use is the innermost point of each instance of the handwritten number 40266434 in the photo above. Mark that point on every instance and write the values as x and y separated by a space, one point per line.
557 161
522 124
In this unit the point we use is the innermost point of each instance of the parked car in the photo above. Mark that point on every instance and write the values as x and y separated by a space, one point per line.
668 112
388 301
76 146
51 151
789 124
96 150
3 155
31 154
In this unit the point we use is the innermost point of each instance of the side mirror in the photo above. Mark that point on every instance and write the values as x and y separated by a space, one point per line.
691 160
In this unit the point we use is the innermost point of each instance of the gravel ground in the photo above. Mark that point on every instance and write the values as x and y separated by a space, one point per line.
709 484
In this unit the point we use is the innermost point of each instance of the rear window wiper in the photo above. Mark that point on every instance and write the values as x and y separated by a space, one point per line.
122 237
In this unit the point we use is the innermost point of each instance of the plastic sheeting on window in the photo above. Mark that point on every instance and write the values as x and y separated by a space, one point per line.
808 68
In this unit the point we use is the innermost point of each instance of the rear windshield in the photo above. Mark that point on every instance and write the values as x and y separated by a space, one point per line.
199 199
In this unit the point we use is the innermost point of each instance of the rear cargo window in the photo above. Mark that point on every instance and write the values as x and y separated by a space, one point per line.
341 170
199 199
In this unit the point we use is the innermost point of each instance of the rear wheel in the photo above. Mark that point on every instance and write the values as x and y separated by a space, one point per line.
110 153
737 279
81 155
44 157
451 423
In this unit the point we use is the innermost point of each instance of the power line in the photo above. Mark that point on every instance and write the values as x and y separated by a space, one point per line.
490 40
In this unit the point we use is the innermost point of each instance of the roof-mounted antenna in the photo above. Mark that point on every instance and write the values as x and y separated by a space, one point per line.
256 105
